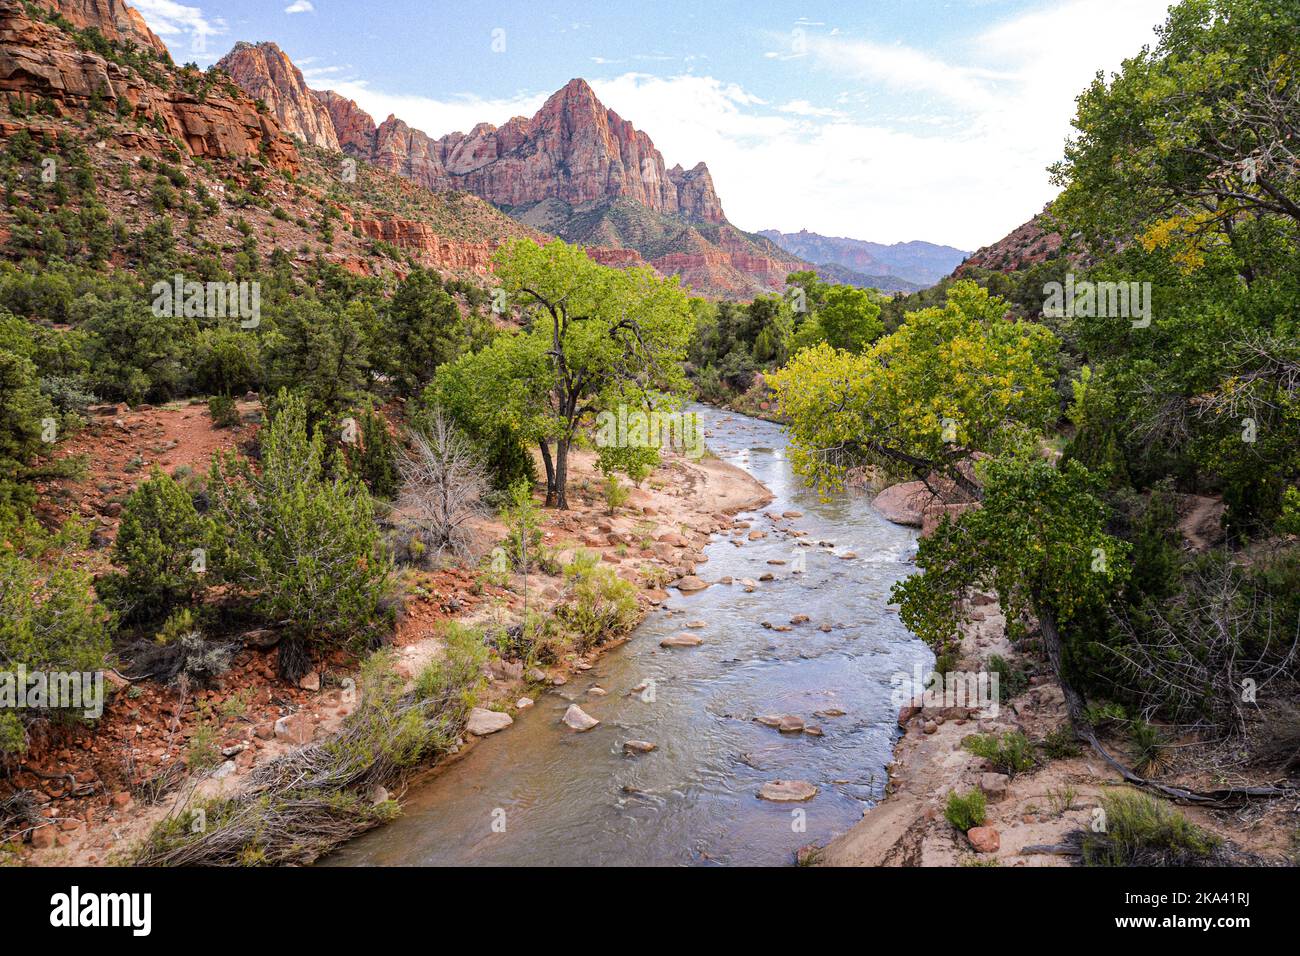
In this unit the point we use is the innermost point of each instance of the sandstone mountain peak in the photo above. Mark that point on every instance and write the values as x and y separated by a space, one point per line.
266 73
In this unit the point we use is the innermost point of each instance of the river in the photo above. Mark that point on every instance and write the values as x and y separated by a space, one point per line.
538 794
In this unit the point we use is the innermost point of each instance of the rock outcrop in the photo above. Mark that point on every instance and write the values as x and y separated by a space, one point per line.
266 73
354 128
38 60
431 249
117 22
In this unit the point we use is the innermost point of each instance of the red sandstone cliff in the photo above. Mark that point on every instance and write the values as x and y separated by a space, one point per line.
39 61
118 22
266 73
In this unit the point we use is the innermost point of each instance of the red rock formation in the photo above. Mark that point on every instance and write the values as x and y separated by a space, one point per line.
266 73
620 258
38 60
419 239
696 197
353 127
118 22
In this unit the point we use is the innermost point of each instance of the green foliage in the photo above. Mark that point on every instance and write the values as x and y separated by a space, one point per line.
1143 831
318 351
523 523
965 812
950 382
1148 747
135 355
156 546
1061 743
600 605
1012 681
226 362
49 619
223 411
428 328
375 460
614 493
1011 754
1038 540
303 544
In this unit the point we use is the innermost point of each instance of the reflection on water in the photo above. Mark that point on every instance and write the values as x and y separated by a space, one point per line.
570 798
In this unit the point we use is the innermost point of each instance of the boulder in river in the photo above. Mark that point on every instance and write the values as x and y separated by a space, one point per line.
483 721
575 718
681 640
690 583
638 747
904 503
787 791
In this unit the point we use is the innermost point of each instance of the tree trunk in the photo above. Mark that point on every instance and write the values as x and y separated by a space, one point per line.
550 472
562 474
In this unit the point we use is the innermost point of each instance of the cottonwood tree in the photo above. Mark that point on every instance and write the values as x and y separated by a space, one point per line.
595 337
443 484
951 382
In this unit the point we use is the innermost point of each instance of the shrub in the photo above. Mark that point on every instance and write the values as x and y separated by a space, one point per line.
523 527
600 604
615 493
226 362
303 545
156 545
374 461
1148 745
1011 754
49 619
224 411
1140 830
443 485
1011 681
965 812
1061 743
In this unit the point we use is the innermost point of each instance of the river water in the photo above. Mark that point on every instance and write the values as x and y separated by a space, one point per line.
539 794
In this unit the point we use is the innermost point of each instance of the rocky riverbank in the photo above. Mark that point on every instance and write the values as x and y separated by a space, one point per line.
654 540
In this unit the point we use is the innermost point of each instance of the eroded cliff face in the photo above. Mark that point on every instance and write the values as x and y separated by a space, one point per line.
118 22
266 73
38 61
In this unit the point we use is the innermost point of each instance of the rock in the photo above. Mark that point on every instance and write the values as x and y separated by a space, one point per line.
225 770
575 718
266 73
310 681
904 503
791 724
295 728
829 712
787 791
690 584
696 624
757 535
122 800
800 619
483 721
263 638
769 720
597 691
930 727
377 795
42 838
848 556
767 576
994 786
681 640
536 675
523 703
792 514
639 746
984 839
812 730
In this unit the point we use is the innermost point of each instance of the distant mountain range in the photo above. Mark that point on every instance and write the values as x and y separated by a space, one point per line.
576 170
903 266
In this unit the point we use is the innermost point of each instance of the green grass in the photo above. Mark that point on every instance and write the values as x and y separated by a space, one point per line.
1011 754
967 811
1140 830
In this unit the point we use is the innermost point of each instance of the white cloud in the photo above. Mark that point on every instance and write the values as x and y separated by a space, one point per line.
300 6
188 33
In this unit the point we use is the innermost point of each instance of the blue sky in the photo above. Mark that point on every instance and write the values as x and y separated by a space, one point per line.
887 120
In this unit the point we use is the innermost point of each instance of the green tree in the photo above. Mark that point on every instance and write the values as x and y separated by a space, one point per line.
1038 539
304 545
428 328
608 336
161 545
951 382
